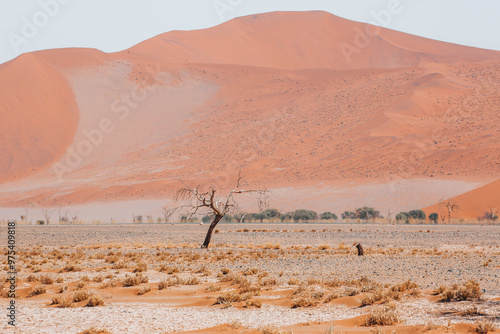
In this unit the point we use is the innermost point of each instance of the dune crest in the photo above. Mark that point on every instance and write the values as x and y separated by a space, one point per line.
279 99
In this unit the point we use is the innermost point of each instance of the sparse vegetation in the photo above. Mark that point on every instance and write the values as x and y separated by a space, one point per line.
38 290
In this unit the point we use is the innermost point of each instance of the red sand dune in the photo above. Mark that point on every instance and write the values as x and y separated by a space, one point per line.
273 94
473 204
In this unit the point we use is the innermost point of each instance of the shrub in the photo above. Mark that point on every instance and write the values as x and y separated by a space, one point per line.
417 214
63 301
469 291
140 268
95 301
72 267
46 279
304 215
80 296
434 217
328 216
485 326
304 302
403 216
253 303
382 317
271 329
144 290
212 288
191 281
38 290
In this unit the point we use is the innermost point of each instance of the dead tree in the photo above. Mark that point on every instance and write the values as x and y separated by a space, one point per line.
492 212
207 202
450 207
360 250
47 214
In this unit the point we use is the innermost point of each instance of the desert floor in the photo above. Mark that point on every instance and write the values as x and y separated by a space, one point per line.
256 278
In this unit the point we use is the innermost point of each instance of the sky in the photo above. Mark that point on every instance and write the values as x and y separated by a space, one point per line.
114 25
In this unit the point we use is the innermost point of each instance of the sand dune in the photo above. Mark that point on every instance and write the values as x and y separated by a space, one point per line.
475 203
278 99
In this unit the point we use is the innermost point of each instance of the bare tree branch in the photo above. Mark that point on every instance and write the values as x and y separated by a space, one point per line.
207 202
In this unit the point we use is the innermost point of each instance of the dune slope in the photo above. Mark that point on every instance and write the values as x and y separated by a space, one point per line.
262 93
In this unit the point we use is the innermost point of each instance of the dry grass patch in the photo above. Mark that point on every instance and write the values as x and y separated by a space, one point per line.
82 295
485 326
193 280
253 303
212 288
135 280
95 300
144 290
37 290
470 290
169 269
141 267
63 301
382 317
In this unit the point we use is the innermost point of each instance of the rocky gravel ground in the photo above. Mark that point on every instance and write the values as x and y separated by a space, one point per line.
430 255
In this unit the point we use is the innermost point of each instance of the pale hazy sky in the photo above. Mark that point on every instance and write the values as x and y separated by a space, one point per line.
113 25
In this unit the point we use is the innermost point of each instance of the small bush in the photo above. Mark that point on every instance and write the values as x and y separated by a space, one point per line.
80 285
304 302
485 326
191 281
141 267
271 329
95 301
469 291
382 317
212 288
46 279
253 303
144 290
63 301
231 297
169 269
82 295
72 267
38 290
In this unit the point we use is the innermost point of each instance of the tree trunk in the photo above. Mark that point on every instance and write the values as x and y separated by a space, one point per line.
360 250
208 237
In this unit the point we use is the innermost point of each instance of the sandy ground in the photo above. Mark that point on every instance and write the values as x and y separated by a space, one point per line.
281 259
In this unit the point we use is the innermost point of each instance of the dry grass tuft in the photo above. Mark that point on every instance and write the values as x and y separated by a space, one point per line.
212 288
82 295
135 280
304 302
253 303
485 326
46 279
95 300
271 329
141 267
37 290
191 281
63 301
72 267
144 290
382 317
468 291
